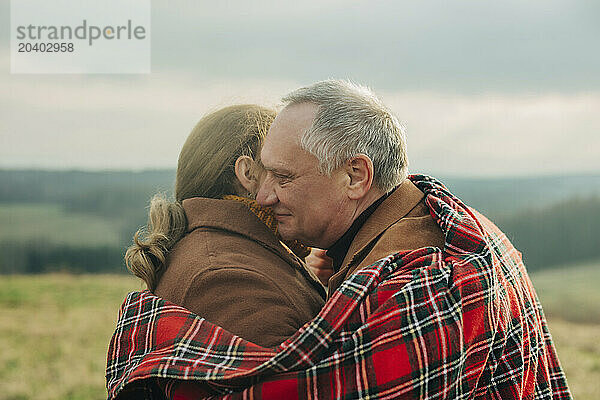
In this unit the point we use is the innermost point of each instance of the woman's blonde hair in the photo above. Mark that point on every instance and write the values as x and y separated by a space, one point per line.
206 168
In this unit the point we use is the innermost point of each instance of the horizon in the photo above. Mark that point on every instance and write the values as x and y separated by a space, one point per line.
570 174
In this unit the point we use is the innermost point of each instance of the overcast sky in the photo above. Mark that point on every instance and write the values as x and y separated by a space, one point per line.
485 88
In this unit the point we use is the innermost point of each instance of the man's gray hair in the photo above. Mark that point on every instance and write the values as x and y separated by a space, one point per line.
351 120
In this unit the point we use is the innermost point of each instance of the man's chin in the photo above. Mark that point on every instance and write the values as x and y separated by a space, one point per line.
286 232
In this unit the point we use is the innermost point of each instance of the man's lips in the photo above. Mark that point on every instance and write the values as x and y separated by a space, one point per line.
279 216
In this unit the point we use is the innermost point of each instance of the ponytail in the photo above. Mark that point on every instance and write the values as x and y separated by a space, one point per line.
146 257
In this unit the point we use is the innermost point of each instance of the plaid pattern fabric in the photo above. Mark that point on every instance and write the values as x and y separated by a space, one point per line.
426 324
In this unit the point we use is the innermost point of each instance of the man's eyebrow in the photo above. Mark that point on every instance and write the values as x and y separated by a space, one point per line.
279 171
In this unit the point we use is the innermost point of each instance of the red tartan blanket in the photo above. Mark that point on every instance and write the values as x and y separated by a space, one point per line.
460 323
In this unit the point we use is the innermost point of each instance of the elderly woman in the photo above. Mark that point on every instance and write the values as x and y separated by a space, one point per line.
213 250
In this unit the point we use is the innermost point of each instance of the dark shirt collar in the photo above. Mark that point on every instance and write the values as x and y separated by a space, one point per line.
337 251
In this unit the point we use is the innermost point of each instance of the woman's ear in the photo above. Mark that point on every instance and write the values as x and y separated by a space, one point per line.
245 170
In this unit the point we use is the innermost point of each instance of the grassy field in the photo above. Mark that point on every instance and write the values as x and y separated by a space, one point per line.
571 293
570 297
54 331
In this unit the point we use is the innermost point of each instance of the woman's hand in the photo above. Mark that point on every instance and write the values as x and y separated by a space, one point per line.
320 265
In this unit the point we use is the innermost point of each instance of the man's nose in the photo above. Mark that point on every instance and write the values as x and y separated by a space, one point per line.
266 196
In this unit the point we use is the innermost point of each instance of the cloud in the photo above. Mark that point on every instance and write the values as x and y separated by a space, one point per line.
500 134
142 122
468 46
484 87
111 122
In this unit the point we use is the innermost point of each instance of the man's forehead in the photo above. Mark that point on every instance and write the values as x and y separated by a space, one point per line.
301 114
283 140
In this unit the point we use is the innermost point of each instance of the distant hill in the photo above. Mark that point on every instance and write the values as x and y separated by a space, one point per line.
493 196
499 197
117 195
558 234
83 221
41 186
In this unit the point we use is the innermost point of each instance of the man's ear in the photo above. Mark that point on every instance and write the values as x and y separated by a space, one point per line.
245 170
360 173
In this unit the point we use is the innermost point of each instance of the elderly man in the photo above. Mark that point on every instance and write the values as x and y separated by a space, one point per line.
429 299
336 178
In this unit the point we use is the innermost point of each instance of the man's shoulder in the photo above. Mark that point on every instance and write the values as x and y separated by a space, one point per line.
409 233
414 230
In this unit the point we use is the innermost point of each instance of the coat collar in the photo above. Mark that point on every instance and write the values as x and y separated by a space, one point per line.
228 215
395 207
236 217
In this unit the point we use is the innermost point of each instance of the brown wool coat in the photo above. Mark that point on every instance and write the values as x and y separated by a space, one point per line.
401 222
232 270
